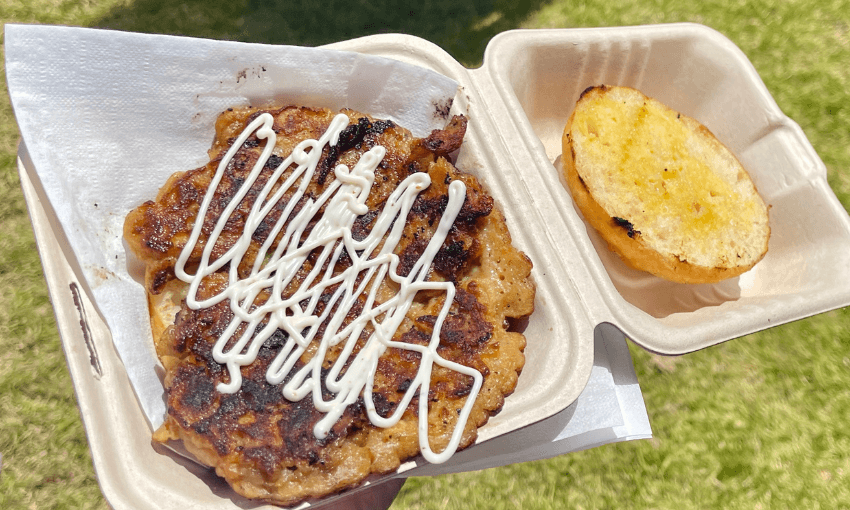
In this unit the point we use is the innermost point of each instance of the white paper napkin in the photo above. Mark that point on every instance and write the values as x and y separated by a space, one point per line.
107 116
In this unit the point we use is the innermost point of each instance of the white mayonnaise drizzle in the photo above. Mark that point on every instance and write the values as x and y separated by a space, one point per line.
344 200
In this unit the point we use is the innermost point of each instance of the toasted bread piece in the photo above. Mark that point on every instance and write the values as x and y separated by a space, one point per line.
660 189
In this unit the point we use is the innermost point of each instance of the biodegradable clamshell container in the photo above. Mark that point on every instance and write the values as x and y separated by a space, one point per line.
518 103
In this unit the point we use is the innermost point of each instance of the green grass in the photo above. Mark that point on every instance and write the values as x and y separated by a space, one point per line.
758 422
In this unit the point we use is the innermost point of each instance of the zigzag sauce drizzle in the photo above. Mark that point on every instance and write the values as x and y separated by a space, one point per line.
345 199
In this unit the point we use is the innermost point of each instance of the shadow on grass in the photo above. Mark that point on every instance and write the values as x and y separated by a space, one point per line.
461 27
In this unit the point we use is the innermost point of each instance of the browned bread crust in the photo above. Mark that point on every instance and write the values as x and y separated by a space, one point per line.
660 189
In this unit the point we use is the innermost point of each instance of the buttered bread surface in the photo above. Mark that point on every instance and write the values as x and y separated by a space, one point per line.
665 194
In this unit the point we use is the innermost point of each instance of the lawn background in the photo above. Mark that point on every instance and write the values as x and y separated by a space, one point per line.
758 422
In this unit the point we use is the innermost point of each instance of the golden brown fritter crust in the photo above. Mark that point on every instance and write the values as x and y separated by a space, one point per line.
262 443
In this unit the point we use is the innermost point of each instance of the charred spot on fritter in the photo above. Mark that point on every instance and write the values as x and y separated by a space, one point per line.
159 278
452 257
352 137
361 227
